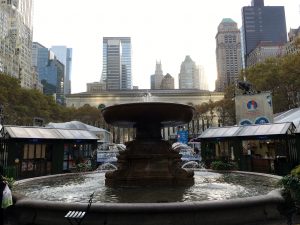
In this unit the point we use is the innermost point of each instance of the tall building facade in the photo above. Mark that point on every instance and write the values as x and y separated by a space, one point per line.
203 79
167 82
50 71
53 79
228 54
262 24
263 51
116 70
16 40
157 77
291 47
64 55
189 74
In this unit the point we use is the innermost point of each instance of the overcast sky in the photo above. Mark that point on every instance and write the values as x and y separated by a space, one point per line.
165 30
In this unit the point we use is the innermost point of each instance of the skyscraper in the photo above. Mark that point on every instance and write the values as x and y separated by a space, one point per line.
203 78
157 77
50 71
64 55
116 71
16 40
189 74
228 53
262 24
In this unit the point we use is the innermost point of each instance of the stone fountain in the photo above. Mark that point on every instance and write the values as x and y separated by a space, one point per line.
148 160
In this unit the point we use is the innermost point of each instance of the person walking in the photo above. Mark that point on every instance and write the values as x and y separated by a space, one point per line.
2 186
5 196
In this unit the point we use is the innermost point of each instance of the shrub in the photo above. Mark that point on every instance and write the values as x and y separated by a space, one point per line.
296 171
10 181
83 167
220 165
291 184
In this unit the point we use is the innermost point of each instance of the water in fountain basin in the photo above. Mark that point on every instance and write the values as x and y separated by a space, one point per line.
147 97
190 164
208 186
106 166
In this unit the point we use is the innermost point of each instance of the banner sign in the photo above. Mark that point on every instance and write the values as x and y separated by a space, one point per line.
183 136
254 109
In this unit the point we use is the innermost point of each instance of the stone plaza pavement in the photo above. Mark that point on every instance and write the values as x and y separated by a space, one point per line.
296 221
11 220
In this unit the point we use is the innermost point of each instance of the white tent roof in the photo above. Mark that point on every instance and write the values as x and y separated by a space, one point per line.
74 125
248 130
292 115
48 133
102 134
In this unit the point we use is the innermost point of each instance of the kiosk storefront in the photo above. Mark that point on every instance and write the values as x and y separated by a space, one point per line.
268 148
38 151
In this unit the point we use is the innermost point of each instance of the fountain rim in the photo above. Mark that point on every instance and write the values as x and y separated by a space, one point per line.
273 196
148 109
132 104
147 103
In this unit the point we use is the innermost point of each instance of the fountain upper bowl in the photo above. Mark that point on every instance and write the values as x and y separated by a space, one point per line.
131 114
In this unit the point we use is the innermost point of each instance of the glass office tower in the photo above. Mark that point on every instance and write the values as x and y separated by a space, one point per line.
64 55
262 24
50 71
116 71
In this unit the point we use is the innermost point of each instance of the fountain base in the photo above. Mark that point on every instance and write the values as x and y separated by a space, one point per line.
149 162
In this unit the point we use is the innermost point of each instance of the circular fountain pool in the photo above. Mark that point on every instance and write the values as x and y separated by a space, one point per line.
230 198
208 186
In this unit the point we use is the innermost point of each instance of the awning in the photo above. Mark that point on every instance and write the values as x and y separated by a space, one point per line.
260 130
48 133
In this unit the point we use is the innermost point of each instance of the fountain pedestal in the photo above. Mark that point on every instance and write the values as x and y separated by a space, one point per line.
148 160
158 167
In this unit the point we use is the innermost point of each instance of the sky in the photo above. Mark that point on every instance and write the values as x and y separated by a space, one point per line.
160 30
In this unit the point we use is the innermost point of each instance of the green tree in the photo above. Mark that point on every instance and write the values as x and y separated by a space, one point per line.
200 113
281 76
88 114
22 105
225 108
205 113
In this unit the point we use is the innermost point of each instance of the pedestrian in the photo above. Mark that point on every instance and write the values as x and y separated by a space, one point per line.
2 186
5 196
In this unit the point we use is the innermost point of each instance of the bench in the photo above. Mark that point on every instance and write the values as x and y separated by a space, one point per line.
76 217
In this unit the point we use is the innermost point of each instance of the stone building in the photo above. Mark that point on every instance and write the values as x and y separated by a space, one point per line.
228 54
157 77
167 82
